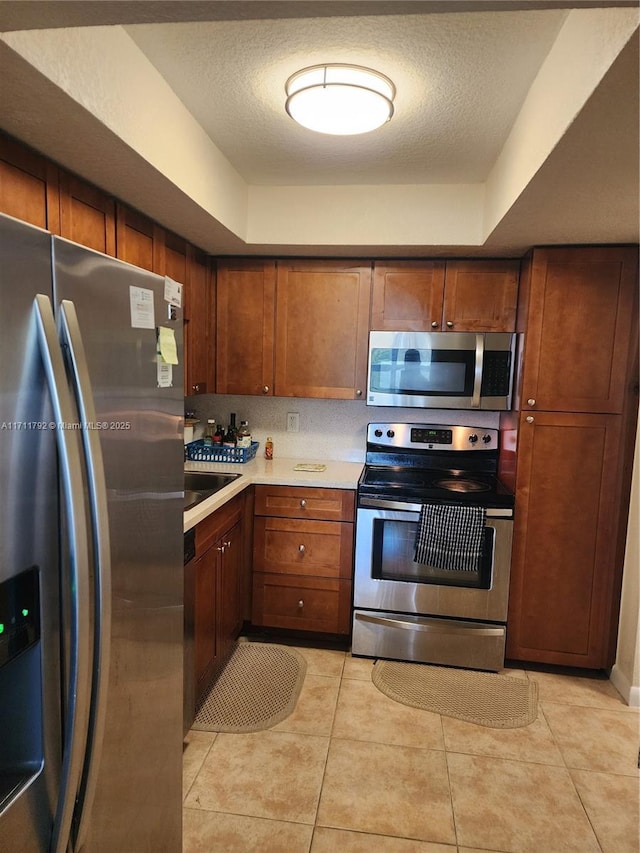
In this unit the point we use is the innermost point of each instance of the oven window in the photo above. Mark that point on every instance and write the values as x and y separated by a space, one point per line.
422 371
392 558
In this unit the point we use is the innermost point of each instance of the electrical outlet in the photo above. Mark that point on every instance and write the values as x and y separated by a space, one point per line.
293 422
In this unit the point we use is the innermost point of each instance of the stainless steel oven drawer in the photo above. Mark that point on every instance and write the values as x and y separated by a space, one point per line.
474 645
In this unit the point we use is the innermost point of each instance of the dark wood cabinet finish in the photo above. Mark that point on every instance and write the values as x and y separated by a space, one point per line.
303 562
29 186
563 577
322 317
458 296
87 215
139 241
578 311
199 339
245 323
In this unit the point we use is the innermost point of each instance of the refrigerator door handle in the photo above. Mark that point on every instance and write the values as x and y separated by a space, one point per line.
79 683
72 338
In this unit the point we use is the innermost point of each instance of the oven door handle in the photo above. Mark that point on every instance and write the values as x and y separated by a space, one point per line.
477 379
376 503
430 628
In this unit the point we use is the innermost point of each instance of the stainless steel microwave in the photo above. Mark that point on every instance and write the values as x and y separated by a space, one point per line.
441 370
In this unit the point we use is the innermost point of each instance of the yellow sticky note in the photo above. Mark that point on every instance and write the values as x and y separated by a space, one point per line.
167 345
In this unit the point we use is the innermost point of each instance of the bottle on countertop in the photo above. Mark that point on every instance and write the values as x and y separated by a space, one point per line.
244 435
268 448
219 436
231 435
209 432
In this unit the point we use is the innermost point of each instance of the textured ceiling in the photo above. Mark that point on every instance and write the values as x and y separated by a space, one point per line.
460 80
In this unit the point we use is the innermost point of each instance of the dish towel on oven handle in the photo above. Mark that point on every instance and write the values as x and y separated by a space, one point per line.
450 537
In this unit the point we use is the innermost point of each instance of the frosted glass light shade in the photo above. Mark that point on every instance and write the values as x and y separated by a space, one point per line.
339 99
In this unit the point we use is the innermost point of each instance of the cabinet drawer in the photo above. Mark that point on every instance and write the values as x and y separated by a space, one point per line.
300 547
307 604
214 525
301 502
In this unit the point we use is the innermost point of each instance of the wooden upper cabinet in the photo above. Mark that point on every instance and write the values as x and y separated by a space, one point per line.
480 296
28 186
198 325
87 215
322 314
407 295
578 307
245 321
459 296
139 240
563 571
173 255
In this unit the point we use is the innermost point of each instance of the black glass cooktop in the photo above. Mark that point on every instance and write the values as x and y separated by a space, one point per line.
416 485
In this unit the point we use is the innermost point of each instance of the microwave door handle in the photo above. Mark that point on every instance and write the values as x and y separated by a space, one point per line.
79 684
97 489
477 378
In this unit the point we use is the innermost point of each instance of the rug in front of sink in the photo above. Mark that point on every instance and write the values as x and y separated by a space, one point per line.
257 688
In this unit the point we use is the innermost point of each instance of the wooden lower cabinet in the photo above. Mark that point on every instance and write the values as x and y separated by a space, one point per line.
303 563
564 573
215 591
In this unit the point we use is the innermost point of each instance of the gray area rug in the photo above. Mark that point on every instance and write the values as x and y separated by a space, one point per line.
257 688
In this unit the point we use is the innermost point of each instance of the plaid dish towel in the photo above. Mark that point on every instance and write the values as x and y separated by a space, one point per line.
450 537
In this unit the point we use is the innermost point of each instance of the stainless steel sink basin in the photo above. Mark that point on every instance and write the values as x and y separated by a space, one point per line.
198 486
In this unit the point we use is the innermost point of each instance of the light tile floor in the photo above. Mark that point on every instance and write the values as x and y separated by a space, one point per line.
351 771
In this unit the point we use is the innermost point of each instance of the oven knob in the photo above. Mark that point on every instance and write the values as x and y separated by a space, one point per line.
390 433
486 438
378 433
473 438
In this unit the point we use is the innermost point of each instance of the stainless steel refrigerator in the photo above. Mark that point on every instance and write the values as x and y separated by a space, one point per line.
91 584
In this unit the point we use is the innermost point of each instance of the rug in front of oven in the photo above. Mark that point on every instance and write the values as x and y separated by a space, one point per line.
257 688
485 698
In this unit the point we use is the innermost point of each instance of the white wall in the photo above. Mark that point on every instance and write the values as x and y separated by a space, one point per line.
626 671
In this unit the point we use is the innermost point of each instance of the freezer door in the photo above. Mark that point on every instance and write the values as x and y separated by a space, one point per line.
30 671
121 312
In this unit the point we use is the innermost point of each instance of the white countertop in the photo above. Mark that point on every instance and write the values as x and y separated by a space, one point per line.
270 472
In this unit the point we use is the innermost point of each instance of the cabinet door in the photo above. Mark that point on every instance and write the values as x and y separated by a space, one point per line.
407 295
563 563
480 296
322 318
28 186
245 318
230 605
205 649
198 325
139 241
87 215
580 319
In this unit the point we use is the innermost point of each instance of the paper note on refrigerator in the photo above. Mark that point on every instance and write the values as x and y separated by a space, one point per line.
172 292
167 345
141 304
165 374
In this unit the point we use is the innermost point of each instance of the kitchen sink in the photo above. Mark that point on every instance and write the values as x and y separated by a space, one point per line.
198 486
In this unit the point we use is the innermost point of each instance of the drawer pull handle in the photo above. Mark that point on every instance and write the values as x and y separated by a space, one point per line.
221 548
303 503
301 548
300 604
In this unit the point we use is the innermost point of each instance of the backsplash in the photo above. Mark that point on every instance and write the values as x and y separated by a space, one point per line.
329 429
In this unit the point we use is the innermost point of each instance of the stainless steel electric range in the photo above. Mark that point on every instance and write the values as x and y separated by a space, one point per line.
433 546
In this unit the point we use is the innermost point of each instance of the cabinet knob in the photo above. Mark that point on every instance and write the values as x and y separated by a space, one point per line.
265 389
221 549
449 324
358 392
531 402
195 389
435 324
529 419
303 503
227 544
301 548
300 604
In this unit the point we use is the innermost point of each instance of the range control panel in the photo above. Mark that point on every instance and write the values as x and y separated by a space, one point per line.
431 437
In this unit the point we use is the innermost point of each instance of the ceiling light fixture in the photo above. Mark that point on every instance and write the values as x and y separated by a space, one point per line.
339 99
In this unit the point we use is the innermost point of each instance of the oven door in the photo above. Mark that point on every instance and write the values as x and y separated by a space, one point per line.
387 577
